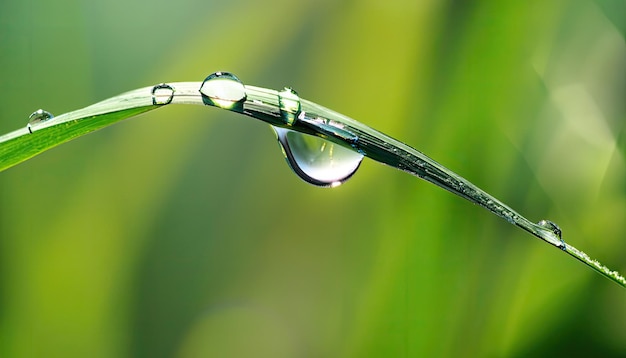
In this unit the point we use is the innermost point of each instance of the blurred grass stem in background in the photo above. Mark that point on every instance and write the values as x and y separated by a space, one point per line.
296 122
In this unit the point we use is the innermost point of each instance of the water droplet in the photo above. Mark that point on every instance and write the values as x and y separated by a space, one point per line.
223 90
37 117
317 161
330 128
289 103
550 226
555 230
162 94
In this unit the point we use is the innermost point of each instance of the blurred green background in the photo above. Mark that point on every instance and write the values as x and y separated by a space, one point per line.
182 233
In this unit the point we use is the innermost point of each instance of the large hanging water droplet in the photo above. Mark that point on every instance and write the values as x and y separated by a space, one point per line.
37 117
317 161
223 90
289 103
162 94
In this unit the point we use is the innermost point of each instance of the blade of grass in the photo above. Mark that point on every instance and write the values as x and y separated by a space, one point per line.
263 104
21 145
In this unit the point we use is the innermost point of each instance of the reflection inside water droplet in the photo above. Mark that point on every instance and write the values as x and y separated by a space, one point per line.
317 161
223 90
37 117
162 94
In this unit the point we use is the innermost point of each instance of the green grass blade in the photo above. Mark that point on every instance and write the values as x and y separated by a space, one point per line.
264 104
20 145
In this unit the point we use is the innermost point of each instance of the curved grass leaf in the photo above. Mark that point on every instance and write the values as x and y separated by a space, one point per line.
266 105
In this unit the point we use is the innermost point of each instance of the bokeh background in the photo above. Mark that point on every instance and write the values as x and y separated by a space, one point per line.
183 233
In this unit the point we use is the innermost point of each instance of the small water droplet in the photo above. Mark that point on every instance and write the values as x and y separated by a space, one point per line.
317 161
550 226
330 128
162 94
555 230
289 103
223 90
37 117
